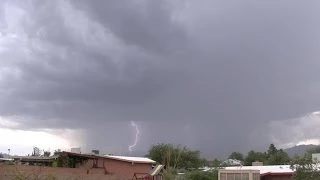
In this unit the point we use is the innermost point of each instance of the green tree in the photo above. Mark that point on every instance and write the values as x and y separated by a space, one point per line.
46 153
175 156
272 150
277 157
305 168
199 175
253 156
215 163
314 150
237 156
273 156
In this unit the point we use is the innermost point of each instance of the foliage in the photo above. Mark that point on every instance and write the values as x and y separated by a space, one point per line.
59 161
46 153
169 175
36 151
306 168
237 156
278 157
272 150
204 162
73 161
1 156
314 150
56 152
175 156
254 156
200 175
215 163
273 156
54 164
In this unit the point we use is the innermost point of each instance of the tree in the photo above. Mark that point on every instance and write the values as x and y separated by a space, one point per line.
276 157
255 156
306 168
46 153
198 175
215 163
36 151
272 150
314 150
56 152
175 156
237 156
273 156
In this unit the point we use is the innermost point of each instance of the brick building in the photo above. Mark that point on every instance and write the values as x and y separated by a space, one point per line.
86 166
120 166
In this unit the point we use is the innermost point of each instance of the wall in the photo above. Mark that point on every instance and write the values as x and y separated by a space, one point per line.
122 169
239 174
125 169
13 171
277 177
104 169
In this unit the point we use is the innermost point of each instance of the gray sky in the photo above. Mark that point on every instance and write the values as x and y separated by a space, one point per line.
217 76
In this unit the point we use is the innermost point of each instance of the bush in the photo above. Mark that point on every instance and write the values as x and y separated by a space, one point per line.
200 175
169 175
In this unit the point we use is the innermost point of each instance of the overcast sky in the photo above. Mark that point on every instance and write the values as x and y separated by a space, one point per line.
214 75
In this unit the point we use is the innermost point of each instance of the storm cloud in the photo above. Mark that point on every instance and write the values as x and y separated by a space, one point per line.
208 74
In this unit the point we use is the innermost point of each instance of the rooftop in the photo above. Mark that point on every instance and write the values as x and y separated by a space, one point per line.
274 169
5 159
34 157
131 159
120 158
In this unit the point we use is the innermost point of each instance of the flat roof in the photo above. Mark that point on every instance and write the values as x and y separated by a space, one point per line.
89 156
6 159
120 158
131 159
273 169
34 158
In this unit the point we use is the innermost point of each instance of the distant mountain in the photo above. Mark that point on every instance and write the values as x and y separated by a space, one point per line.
299 150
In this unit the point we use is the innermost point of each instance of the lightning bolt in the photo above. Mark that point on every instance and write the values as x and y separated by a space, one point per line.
136 137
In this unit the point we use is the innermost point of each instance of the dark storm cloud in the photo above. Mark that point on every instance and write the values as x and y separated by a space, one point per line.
211 74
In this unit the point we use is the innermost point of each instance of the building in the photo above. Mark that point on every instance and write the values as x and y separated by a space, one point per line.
34 160
226 174
274 172
87 166
4 161
121 166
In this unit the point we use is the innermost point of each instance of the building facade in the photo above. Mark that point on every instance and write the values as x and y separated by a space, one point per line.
239 174
274 172
121 166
